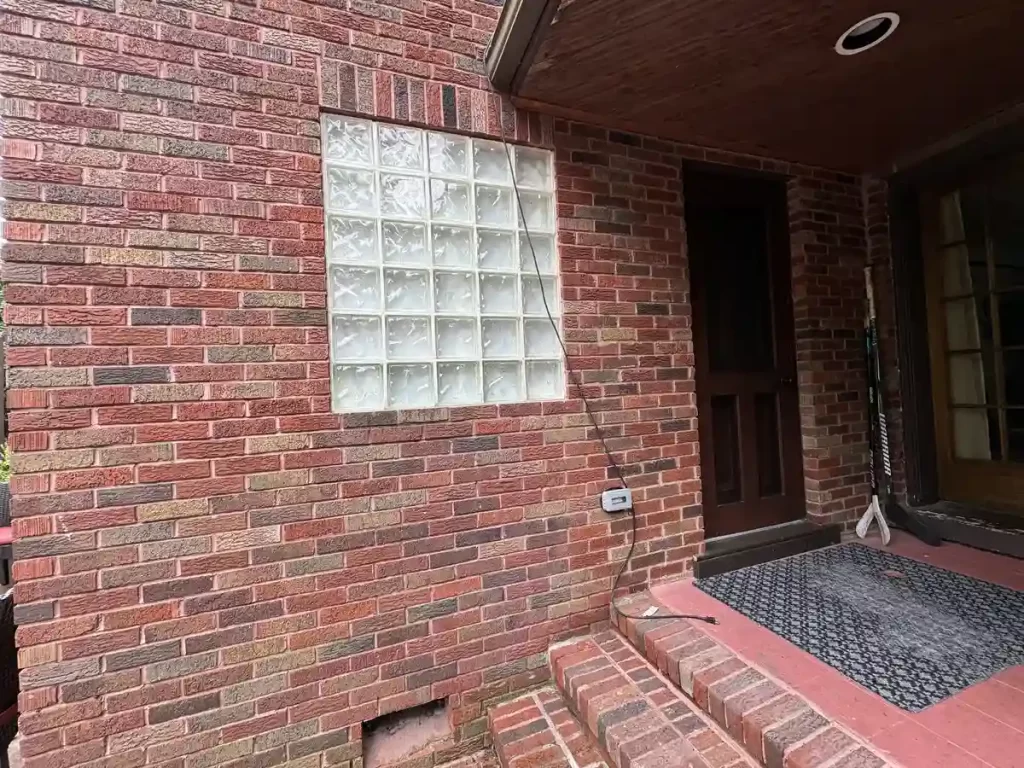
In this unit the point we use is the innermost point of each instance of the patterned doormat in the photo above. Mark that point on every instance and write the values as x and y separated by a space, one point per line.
912 633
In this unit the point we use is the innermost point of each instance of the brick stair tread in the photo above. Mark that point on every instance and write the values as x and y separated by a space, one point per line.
633 713
538 731
774 723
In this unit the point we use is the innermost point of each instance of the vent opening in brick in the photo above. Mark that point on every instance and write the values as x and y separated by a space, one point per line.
407 733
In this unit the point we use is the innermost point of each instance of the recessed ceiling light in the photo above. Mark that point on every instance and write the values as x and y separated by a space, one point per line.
867 33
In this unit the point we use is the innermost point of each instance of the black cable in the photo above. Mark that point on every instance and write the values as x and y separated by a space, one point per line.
578 382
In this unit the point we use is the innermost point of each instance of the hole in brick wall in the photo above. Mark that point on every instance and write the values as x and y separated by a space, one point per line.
405 734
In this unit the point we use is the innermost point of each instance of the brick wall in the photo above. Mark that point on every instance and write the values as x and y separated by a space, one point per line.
212 568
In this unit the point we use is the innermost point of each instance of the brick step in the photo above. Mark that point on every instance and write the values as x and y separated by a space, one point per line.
774 723
634 714
539 731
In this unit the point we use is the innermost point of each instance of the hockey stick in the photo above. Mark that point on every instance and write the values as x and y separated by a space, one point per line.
883 502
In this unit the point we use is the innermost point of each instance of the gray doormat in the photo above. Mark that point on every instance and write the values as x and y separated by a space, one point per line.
908 631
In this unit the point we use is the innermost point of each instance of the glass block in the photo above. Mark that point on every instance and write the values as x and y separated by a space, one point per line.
351 240
411 386
536 210
533 301
453 292
405 243
495 250
402 196
453 246
356 337
493 206
349 190
533 168
498 294
458 383
449 200
357 387
456 337
501 382
544 380
349 140
540 339
400 147
355 288
448 154
406 290
500 337
409 338
543 248
490 162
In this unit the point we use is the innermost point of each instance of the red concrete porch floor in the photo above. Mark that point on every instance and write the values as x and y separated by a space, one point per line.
982 726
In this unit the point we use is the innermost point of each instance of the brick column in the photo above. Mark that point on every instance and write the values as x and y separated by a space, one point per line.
829 250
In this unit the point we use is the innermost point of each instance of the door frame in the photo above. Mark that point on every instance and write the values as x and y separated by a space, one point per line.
970 481
709 182
938 166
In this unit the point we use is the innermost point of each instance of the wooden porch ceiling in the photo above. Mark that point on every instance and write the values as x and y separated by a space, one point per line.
762 76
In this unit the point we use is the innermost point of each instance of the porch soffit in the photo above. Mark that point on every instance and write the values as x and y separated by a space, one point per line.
762 76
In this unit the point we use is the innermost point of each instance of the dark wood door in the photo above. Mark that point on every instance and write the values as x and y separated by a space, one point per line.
748 409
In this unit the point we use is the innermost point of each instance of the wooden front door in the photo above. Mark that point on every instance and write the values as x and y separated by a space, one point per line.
974 265
748 411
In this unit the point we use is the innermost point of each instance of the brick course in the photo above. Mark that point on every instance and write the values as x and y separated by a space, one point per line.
213 569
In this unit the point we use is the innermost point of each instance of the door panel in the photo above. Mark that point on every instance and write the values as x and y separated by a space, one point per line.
748 412
974 257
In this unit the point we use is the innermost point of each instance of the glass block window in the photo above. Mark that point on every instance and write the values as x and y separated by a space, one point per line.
433 294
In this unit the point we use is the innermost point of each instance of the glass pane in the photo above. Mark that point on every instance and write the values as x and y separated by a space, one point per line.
458 383
964 271
456 338
1013 369
540 339
409 338
968 323
502 382
543 249
498 294
493 206
349 190
351 240
411 386
1006 228
962 228
355 288
448 154
402 195
544 380
976 433
769 455
1011 318
400 147
501 337
972 379
349 140
735 262
536 292
490 162
453 246
536 211
495 250
453 292
406 290
532 168
726 448
449 200
1015 434
357 387
405 243
356 337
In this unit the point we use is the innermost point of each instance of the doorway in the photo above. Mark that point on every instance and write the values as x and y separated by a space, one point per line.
748 410
973 243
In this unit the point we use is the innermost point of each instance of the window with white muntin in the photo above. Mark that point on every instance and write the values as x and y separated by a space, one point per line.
433 292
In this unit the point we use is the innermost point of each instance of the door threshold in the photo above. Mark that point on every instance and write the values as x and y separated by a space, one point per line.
739 550
977 526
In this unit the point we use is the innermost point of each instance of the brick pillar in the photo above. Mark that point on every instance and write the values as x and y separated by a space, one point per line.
829 250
